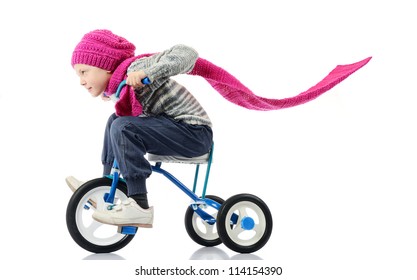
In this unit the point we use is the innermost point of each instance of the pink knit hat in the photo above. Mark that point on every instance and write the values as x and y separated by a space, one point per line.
103 49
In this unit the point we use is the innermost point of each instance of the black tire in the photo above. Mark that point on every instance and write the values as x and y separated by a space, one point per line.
80 208
208 239
255 212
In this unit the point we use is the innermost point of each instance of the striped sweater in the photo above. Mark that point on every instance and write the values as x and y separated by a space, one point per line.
164 95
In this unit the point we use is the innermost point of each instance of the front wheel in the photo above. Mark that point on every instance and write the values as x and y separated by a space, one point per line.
244 223
84 230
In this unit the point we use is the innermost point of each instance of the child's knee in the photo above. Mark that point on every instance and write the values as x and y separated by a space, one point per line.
117 127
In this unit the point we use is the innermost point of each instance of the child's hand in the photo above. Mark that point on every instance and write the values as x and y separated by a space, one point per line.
134 79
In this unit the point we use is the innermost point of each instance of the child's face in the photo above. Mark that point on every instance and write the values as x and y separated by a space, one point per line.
94 79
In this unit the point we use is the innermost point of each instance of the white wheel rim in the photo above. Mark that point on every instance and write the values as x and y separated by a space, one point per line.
93 231
202 228
239 235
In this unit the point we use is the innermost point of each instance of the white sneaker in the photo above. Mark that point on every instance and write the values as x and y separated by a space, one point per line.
73 183
128 213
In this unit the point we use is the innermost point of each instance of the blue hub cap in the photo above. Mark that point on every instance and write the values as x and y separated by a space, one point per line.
247 223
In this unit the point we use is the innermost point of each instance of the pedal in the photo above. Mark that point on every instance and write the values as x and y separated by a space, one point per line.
90 202
127 230
93 203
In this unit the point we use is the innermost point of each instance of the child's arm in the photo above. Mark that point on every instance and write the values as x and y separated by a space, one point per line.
179 59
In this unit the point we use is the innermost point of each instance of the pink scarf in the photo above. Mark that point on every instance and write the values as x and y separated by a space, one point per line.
230 87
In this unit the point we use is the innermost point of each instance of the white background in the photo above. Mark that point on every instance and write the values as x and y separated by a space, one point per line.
338 173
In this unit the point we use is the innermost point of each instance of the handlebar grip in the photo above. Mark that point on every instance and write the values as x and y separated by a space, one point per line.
144 81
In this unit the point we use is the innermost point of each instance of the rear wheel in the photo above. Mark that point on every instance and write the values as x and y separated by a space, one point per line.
244 223
204 231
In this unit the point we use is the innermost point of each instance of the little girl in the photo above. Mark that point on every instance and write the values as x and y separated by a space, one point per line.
171 121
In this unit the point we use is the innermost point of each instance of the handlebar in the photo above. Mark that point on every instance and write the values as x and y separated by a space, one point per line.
144 81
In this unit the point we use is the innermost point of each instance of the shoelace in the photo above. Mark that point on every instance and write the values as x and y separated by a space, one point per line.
118 207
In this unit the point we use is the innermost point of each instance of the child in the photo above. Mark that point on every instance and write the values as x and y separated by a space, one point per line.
172 122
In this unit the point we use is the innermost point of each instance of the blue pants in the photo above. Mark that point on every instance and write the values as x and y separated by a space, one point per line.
128 139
